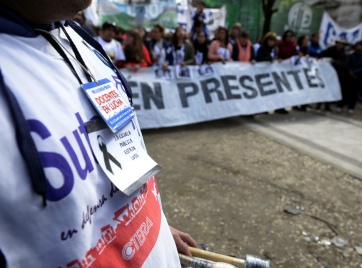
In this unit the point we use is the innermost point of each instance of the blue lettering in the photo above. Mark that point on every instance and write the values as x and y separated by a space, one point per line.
53 160
118 83
329 33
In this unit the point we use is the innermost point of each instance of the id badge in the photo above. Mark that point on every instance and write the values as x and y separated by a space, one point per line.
109 103
121 156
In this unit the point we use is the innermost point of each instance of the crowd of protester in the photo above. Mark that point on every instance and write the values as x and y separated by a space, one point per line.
137 48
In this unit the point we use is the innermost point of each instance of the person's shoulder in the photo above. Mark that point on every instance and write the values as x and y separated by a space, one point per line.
188 44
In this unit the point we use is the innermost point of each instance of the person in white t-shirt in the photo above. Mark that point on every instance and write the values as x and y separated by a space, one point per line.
220 49
59 207
112 47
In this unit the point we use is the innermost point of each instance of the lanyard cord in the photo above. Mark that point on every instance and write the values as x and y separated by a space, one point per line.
60 48
101 54
61 52
77 54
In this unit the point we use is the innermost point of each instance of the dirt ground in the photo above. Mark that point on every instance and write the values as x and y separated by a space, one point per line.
229 188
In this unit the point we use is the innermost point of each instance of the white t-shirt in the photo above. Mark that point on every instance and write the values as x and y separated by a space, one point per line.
224 51
86 222
159 51
256 47
113 49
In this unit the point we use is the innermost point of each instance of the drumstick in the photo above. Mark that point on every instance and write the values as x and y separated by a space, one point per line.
201 263
196 252
249 262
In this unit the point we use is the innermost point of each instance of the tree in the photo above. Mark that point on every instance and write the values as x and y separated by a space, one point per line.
268 10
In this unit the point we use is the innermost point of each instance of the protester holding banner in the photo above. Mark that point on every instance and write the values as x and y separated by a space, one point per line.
303 45
201 48
235 33
303 51
338 57
112 47
182 51
135 51
221 49
161 50
287 46
243 50
315 49
350 94
146 38
257 45
267 50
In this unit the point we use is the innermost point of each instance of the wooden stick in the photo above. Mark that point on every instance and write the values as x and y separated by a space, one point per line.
191 262
212 256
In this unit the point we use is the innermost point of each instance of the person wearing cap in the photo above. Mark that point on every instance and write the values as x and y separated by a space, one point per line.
268 52
338 57
112 47
350 93
60 206
235 32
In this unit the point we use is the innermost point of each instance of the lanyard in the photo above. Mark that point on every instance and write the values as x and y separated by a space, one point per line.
58 47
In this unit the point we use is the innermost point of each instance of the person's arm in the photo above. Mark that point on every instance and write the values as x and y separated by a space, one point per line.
230 48
119 57
183 241
212 55
252 53
262 54
147 57
296 50
235 55
280 54
189 54
119 52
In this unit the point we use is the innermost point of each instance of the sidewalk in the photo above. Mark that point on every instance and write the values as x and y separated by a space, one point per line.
331 138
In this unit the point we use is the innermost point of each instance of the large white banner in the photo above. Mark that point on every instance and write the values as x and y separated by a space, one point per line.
180 96
330 31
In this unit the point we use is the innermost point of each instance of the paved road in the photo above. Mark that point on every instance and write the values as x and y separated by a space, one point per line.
229 186
330 138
